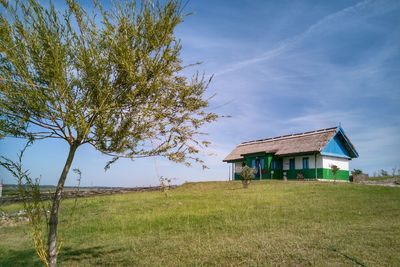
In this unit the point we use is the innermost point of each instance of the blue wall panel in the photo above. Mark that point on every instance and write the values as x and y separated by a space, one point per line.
335 147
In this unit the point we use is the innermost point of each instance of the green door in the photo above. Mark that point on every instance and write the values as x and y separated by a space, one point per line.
277 168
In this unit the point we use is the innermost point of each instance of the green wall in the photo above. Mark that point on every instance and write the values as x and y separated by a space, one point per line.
308 173
291 174
266 172
341 174
321 174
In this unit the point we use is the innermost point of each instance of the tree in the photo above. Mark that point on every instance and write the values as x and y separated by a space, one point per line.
247 174
383 173
110 79
335 169
394 170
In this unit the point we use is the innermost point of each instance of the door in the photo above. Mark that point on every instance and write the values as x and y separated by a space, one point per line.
277 166
258 164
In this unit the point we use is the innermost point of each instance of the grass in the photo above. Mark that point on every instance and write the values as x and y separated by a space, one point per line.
221 224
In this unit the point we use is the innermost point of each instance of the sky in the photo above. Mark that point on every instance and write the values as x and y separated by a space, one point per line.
279 67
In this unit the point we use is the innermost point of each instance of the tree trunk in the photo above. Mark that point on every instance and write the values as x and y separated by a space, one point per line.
53 221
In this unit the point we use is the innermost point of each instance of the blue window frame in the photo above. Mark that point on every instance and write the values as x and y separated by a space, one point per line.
257 163
291 164
305 163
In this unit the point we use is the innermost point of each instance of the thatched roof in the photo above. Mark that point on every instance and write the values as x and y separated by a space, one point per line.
300 143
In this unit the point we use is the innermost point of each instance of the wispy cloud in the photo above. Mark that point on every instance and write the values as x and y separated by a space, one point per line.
364 8
315 119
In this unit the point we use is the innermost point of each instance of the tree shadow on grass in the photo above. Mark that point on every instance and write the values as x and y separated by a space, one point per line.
97 252
350 258
26 257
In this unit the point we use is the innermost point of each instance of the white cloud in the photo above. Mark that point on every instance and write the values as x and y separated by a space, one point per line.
365 8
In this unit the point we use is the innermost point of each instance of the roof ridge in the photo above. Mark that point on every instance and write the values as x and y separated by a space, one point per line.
288 136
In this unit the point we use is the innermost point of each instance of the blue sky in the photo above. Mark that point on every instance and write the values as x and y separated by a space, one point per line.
279 67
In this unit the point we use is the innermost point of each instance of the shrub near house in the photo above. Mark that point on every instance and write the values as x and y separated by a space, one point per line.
246 175
309 154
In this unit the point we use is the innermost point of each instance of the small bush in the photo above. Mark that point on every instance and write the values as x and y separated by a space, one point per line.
335 169
165 185
246 175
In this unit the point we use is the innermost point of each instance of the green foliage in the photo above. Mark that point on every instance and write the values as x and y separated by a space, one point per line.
110 78
246 175
113 81
334 170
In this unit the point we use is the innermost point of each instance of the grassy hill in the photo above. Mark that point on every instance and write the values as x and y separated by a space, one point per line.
219 223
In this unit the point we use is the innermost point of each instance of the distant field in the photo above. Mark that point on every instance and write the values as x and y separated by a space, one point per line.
221 224
11 195
12 190
384 178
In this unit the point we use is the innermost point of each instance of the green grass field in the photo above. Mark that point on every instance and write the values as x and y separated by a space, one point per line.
221 224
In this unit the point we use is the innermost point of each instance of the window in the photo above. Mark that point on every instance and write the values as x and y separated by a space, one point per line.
239 166
305 163
257 163
276 165
291 164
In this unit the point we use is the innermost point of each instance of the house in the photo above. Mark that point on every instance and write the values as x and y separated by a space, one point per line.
308 155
